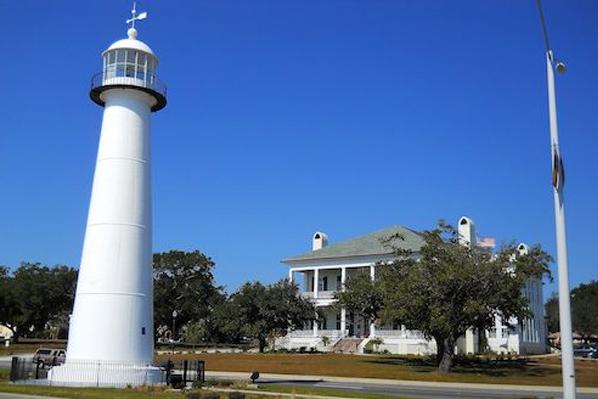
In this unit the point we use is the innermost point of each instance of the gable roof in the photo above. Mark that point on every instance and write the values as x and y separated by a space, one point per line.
369 244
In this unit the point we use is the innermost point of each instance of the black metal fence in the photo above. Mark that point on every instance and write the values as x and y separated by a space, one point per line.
106 374
26 369
179 373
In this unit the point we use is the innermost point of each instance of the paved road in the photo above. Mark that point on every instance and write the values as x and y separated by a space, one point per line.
414 389
423 392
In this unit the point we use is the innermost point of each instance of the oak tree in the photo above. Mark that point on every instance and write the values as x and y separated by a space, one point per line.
447 288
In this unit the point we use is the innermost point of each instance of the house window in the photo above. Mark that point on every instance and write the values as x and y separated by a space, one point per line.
323 284
339 283
338 321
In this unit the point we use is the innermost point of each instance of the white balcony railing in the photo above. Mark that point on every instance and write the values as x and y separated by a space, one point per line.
325 294
321 294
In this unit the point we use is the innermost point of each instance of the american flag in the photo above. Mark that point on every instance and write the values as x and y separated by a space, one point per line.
487 242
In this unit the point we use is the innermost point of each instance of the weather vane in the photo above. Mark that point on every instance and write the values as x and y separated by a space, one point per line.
135 17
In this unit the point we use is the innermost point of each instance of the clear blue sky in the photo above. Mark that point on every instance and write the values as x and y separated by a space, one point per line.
289 116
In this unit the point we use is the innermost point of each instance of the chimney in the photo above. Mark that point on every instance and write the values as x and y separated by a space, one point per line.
319 241
466 231
523 249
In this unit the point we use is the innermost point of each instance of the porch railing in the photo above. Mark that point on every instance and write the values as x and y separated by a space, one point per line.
321 294
407 334
321 333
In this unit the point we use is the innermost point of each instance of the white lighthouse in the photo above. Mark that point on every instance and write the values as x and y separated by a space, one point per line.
111 331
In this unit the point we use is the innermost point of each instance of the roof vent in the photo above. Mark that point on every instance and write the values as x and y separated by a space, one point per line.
319 241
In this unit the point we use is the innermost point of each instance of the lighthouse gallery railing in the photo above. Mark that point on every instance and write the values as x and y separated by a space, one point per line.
122 77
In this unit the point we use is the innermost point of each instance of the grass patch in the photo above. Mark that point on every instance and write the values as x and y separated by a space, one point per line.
537 371
128 393
91 393
306 390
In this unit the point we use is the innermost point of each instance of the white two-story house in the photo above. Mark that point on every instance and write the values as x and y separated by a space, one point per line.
324 270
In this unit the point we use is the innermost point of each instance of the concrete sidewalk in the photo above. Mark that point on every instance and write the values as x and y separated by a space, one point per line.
381 381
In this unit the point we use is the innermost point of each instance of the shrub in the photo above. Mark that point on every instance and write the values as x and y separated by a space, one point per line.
236 395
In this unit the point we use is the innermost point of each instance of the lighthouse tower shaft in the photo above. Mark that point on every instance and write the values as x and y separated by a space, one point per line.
111 331
113 313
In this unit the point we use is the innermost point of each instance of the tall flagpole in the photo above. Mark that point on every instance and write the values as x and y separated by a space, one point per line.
558 180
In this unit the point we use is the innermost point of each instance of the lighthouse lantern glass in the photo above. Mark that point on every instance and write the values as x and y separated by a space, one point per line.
128 66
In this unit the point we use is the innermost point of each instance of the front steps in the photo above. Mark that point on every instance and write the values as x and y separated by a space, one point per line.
347 345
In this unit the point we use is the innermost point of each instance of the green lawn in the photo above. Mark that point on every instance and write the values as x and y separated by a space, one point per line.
89 393
538 371
4 374
162 393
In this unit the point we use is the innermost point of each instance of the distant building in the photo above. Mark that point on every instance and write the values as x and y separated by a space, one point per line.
5 332
324 270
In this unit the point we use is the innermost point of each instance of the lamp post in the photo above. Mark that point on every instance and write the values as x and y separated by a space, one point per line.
174 315
558 180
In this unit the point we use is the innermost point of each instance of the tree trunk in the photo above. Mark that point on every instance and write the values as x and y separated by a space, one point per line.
262 343
482 341
445 353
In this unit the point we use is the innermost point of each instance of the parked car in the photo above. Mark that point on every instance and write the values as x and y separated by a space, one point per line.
49 356
586 351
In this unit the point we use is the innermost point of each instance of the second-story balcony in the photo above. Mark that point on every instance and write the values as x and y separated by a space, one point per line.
321 294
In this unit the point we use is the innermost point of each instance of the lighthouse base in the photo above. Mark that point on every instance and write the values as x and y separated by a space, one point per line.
89 373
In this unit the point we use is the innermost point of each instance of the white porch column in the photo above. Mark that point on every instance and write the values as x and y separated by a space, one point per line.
372 330
343 310
291 275
316 282
470 342
372 325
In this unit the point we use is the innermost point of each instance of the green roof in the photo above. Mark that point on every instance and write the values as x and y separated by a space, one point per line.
369 244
